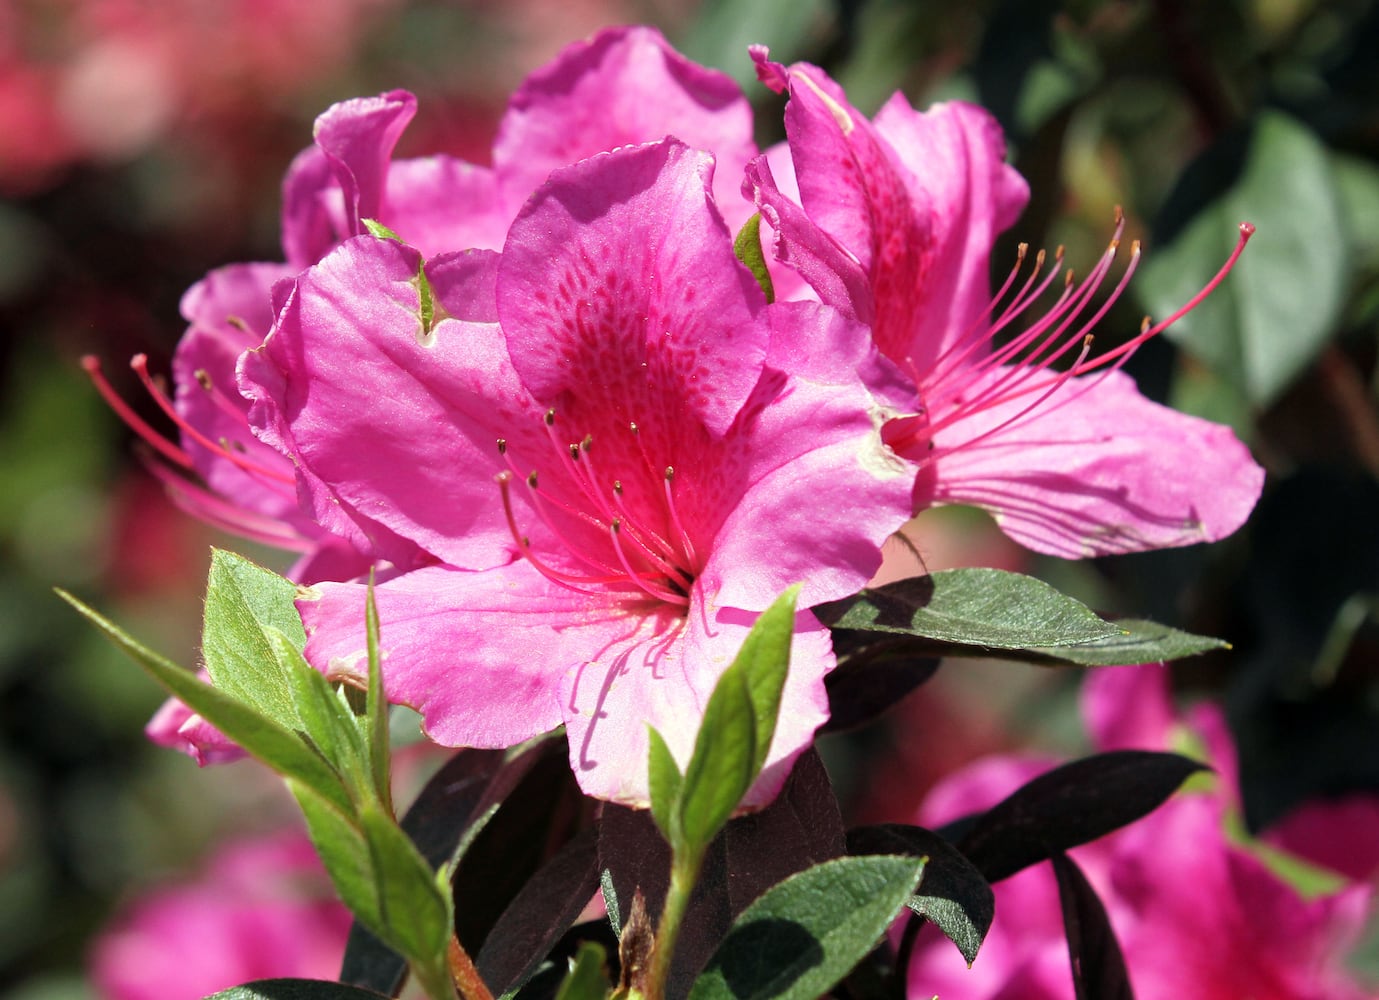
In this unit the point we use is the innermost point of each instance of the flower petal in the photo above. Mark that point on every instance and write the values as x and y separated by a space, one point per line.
619 274
622 87
378 413
1097 470
664 680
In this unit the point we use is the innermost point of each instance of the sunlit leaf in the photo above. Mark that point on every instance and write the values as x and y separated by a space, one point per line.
1280 305
973 607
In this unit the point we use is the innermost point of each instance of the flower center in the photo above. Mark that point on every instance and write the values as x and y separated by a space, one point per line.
623 532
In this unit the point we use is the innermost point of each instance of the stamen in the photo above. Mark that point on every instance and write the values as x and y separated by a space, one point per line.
566 580
140 365
660 593
690 555
135 422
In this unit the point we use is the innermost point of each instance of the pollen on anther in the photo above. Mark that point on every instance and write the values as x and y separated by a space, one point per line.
670 473
502 446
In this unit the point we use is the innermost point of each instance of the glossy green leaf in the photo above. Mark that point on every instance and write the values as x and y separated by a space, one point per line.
739 722
295 989
989 608
1140 642
283 751
747 246
1280 305
588 978
805 934
243 600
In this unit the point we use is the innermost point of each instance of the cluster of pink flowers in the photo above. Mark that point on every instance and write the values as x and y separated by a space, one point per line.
262 908
1201 911
583 448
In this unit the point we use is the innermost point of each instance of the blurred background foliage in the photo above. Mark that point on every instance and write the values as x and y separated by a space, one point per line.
142 144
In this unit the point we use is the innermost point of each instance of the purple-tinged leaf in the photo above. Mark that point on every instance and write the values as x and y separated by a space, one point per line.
540 913
1072 805
1098 966
872 679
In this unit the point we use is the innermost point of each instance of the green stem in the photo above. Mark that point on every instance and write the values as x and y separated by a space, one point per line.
684 871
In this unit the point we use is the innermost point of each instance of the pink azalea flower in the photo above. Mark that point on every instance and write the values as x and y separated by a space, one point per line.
893 220
262 909
624 85
1199 915
616 452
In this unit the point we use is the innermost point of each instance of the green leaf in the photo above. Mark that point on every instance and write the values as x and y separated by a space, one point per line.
989 608
243 601
747 246
325 718
414 904
295 989
805 934
739 722
376 706
345 854
1141 642
283 751
588 978
1280 305
953 894
664 782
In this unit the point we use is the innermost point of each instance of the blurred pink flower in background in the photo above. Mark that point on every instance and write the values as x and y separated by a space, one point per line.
262 909
1200 911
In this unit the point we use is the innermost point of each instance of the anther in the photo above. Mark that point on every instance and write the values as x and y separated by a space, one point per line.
550 418
531 479
203 379
574 452
502 446
238 324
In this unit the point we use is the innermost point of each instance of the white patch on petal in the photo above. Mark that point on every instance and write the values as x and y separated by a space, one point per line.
840 113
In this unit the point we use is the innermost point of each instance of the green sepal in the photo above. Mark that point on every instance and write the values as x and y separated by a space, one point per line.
380 231
747 246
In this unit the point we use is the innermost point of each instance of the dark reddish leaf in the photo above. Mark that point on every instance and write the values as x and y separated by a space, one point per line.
1099 971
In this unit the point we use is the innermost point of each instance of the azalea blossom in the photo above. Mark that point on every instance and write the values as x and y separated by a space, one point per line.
1198 910
614 451
623 85
893 220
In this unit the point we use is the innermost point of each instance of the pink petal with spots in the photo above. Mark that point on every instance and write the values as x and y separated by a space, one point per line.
622 87
620 273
